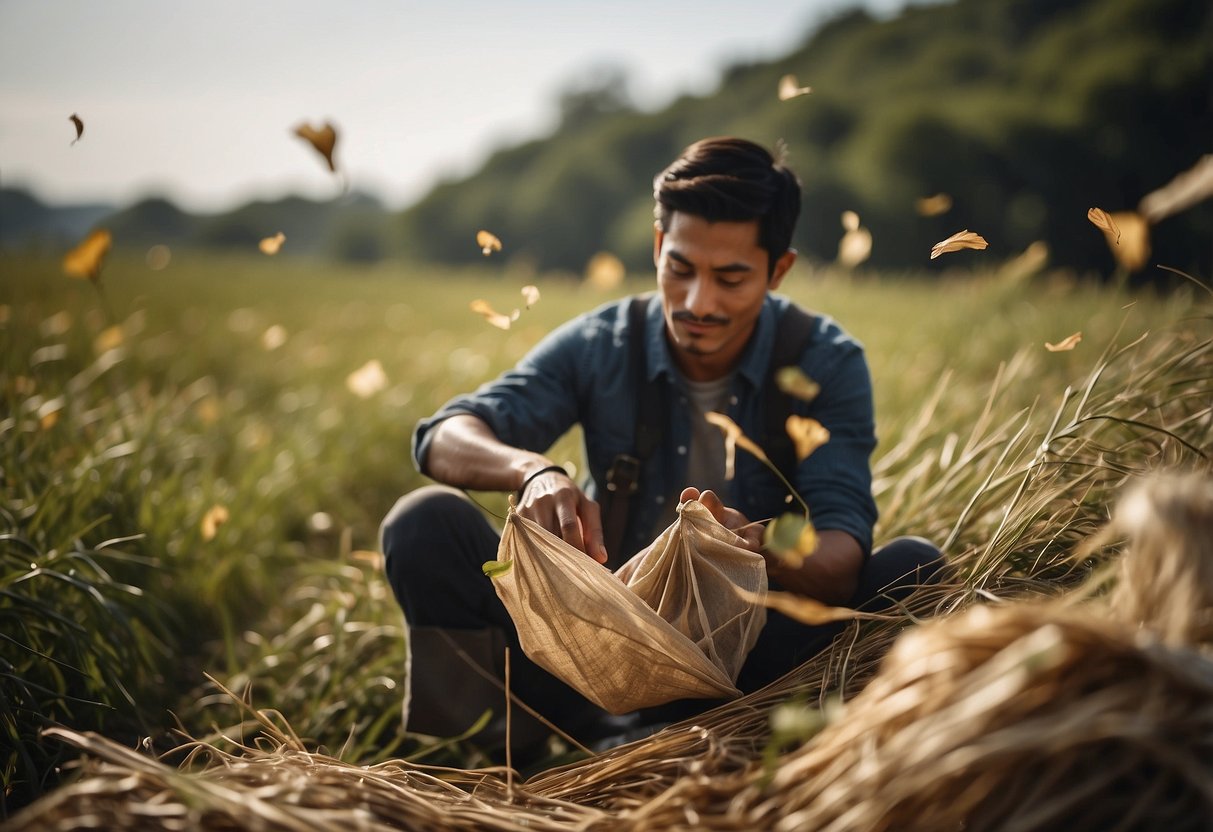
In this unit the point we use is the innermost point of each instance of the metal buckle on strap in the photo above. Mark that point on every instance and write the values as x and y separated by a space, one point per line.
624 475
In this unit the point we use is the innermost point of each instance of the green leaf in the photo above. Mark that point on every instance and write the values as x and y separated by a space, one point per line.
496 568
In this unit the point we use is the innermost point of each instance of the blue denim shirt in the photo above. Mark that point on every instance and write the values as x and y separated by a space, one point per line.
579 373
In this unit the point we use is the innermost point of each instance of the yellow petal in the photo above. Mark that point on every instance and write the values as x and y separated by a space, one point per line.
933 206
271 245
488 242
530 295
605 271
790 88
1066 344
1100 219
322 138
215 517
959 240
807 434
1134 248
482 307
367 380
794 382
86 259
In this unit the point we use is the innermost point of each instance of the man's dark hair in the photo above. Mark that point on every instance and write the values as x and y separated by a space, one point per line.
732 180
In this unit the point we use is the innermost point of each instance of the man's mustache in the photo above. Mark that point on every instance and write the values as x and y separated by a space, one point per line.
684 315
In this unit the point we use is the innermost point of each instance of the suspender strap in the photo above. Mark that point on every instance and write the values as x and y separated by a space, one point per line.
792 336
623 478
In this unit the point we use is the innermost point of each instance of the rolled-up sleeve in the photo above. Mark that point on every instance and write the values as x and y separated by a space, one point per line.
530 406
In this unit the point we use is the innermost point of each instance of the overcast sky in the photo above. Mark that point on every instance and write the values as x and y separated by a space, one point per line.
195 100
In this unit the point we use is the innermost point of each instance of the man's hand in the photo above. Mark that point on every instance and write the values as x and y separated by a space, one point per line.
555 502
730 518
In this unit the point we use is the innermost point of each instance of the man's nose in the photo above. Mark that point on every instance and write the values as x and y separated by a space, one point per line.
701 298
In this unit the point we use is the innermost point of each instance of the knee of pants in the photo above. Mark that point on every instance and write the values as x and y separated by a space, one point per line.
418 515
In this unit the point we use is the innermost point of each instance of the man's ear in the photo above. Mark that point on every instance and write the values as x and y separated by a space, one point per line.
782 266
658 237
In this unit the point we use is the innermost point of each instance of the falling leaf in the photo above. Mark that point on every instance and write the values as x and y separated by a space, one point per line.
271 245
86 259
807 434
958 241
1134 248
367 380
158 257
1066 344
933 206
530 295
323 138
732 438
605 271
215 517
1100 219
791 538
802 608
482 307
75 119
790 88
856 244
496 568
273 338
1184 191
109 338
488 242
794 382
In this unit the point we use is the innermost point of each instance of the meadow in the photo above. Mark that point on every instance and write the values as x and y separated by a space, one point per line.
194 461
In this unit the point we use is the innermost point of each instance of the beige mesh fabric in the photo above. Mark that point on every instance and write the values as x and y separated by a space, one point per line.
667 626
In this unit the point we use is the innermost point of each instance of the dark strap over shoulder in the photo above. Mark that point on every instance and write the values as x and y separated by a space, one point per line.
792 336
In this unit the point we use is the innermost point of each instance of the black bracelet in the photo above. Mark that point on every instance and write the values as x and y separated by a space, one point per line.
539 473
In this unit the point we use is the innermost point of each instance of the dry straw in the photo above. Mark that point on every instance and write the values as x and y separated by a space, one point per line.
1089 710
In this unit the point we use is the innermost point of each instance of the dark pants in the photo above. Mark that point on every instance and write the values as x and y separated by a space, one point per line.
435 540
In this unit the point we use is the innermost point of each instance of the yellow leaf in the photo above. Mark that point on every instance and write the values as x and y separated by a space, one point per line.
215 517
1134 248
49 420
86 259
802 608
790 538
530 295
933 206
482 307
109 338
807 434
794 382
322 138
272 245
1066 344
496 568
488 242
1100 219
367 380
605 271
959 240
790 88
75 119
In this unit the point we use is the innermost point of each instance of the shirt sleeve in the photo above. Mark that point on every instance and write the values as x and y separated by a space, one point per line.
836 480
530 406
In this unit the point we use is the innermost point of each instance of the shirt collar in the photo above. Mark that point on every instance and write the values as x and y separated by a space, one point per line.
754 359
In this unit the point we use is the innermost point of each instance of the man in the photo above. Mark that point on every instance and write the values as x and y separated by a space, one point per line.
638 376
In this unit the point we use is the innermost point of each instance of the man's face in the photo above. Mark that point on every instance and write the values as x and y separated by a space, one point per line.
713 278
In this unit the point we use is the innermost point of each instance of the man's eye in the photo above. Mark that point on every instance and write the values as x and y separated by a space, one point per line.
730 284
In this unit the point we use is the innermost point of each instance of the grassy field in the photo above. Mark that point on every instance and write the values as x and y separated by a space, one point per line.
128 415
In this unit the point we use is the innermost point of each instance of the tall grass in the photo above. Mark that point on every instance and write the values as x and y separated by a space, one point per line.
228 387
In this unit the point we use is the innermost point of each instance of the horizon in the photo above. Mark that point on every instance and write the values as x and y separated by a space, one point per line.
386 74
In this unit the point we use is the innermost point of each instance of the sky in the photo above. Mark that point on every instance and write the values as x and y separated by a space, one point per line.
196 100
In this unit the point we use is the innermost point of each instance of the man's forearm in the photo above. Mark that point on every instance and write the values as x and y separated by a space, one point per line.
465 453
830 574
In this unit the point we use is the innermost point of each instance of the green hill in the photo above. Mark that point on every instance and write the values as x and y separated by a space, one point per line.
1027 112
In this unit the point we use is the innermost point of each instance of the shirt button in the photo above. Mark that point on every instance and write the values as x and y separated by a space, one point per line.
682 450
